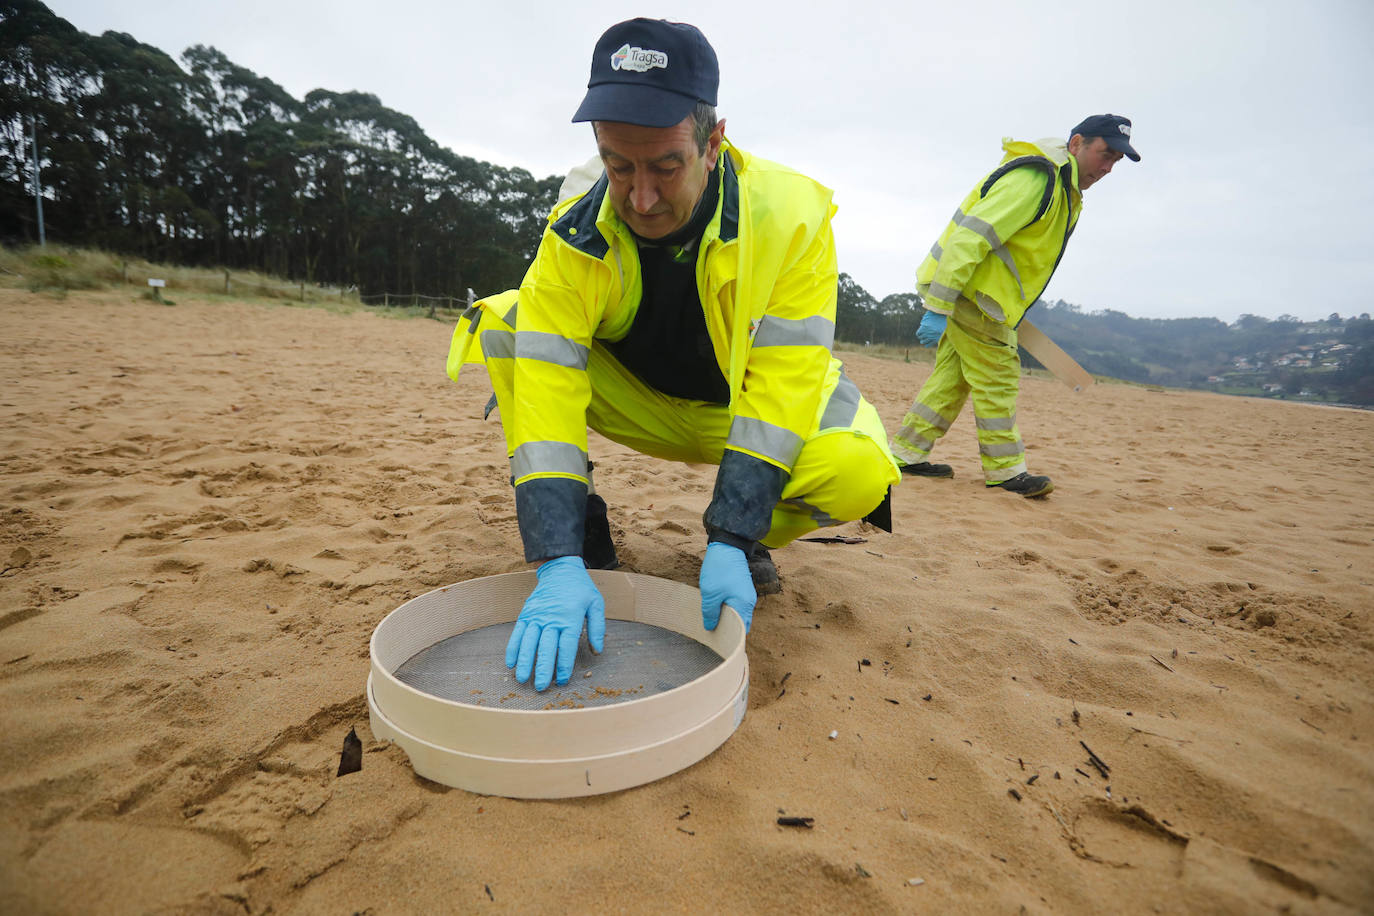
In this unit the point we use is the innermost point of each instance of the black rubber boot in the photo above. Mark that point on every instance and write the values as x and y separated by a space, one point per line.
763 572
1028 485
926 469
598 552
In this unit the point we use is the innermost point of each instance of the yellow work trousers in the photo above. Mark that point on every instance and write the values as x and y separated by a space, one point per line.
968 363
841 474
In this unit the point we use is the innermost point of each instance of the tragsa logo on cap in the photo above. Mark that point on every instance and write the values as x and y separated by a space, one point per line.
639 60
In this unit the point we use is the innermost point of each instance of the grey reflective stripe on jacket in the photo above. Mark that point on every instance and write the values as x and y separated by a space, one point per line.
550 348
985 229
943 293
498 344
548 458
843 405
473 316
773 442
815 331
537 345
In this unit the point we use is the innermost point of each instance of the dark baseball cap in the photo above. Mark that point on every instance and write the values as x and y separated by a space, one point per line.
650 72
1115 129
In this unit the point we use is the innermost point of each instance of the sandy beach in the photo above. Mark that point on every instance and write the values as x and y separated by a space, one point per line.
1152 692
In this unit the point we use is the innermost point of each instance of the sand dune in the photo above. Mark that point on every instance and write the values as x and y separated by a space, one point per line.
206 509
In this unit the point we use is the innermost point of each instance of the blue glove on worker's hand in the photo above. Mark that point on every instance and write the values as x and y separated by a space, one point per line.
546 632
725 579
931 329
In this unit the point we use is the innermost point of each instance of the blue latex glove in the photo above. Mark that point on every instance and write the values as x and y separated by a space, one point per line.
931 329
550 623
725 579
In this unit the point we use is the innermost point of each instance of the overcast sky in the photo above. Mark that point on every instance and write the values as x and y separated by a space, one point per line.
1253 117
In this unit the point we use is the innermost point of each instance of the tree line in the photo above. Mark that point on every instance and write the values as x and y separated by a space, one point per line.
209 164
205 163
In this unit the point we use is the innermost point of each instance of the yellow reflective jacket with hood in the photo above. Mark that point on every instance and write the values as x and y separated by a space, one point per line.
766 276
1005 240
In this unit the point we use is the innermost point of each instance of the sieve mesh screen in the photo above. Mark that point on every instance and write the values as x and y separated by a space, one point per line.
638 660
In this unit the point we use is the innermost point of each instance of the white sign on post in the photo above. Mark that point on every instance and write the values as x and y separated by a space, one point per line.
156 283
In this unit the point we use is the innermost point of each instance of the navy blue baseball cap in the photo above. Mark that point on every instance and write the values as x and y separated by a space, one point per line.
1115 129
650 72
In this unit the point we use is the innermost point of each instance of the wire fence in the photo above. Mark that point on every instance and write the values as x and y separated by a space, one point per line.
177 278
384 299
183 279
415 300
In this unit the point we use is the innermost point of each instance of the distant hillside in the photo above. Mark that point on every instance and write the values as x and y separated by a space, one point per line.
1331 360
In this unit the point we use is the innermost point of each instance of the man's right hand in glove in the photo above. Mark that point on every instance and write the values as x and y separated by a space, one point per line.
931 329
547 630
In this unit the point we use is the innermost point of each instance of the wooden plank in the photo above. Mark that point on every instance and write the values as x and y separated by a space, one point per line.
1052 357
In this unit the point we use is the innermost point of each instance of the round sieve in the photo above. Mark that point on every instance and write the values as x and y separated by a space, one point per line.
661 695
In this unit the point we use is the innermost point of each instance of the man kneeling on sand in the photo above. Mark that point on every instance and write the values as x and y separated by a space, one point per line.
684 306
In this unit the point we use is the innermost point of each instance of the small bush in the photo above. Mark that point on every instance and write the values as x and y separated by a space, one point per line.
44 270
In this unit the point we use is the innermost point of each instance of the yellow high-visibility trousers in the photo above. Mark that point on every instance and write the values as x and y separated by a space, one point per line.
841 474
968 363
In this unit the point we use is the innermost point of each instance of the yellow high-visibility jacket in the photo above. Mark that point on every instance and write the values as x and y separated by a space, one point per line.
1005 240
766 276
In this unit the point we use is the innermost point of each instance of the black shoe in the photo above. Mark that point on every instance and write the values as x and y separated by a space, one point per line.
926 469
598 552
1027 485
764 573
